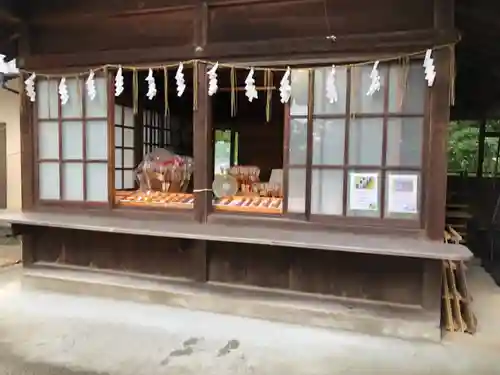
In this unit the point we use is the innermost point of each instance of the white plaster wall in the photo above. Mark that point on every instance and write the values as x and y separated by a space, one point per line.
10 114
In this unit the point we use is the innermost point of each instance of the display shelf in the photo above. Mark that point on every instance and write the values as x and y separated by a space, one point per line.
249 204
155 199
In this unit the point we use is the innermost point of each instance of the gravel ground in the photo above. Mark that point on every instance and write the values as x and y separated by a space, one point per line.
14 365
48 333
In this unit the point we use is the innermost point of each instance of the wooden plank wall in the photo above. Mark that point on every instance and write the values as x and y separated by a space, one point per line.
81 32
342 274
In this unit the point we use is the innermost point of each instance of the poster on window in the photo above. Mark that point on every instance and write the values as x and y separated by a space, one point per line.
363 195
403 194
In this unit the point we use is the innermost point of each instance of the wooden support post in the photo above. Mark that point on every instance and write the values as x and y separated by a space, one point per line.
27 152
202 147
111 140
27 123
437 162
203 156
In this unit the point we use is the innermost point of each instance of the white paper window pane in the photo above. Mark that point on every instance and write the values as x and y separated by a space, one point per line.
128 140
73 181
129 117
118 158
327 188
72 140
118 136
73 108
322 105
328 142
97 140
296 190
99 106
118 179
48 140
118 115
128 158
298 141
360 82
365 142
363 192
409 99
97 182
47 99
404 142
300 90
400 197
128 181
48 180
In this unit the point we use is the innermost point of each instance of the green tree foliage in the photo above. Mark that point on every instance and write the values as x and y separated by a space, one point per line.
463 146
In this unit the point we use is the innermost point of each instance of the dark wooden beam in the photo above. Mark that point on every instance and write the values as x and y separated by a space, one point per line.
437 163
58 11
202 147
200 25
27 152
44 13
346 46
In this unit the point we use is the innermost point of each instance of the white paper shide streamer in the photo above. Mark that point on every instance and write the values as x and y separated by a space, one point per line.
430 71
63 91
250 90
285 87
30 87
119 82
331 86
375 77
90 83
179 78
150 79
212 80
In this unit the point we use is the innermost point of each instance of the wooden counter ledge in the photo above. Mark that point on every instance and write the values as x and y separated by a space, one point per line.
321 240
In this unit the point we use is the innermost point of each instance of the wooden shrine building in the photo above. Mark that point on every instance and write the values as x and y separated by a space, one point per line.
335 204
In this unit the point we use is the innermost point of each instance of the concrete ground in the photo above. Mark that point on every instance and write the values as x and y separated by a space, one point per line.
48 333
10 249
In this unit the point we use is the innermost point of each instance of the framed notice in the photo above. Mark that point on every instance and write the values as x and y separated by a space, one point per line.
363 191
403 194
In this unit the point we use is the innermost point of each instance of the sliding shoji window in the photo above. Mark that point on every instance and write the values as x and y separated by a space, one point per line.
72 142
380 135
